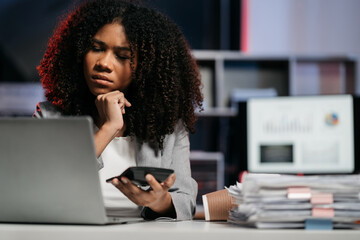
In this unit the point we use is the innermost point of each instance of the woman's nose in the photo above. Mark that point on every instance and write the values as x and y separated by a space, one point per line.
104 63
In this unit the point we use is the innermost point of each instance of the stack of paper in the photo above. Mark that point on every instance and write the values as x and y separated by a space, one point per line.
285 201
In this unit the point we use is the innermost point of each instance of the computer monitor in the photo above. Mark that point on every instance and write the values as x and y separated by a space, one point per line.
307 134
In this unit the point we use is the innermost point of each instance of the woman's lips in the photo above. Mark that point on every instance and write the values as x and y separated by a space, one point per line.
101 79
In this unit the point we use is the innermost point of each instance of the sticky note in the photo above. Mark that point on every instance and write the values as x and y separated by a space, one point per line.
318 224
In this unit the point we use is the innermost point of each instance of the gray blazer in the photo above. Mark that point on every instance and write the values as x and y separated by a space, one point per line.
175 155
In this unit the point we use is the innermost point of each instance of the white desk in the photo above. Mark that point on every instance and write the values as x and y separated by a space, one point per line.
187 230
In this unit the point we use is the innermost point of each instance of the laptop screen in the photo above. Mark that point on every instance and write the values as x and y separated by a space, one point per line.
310 134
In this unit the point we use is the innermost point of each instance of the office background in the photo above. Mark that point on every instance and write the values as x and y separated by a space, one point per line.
290 47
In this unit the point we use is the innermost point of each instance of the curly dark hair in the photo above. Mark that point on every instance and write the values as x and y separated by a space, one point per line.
165 85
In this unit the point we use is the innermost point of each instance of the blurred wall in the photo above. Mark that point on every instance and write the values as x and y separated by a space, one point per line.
304 26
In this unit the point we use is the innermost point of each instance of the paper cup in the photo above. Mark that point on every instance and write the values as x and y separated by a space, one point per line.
217 205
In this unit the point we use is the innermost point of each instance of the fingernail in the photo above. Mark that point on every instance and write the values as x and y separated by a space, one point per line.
148 177
115 181
124 180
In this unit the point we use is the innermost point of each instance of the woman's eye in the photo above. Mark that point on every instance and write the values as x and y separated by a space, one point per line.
122 57
96 49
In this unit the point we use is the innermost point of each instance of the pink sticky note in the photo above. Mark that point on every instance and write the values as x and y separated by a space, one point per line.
298 193
321 198
323 212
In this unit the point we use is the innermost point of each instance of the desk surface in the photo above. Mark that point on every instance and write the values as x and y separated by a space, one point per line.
185 230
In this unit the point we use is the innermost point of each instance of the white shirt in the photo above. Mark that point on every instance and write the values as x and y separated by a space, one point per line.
117 156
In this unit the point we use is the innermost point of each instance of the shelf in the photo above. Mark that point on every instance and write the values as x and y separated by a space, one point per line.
289 75
218 112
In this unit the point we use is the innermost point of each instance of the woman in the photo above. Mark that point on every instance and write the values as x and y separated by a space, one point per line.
129 68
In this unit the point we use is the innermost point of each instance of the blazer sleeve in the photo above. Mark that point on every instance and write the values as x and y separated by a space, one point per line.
176 156
184 199
46 110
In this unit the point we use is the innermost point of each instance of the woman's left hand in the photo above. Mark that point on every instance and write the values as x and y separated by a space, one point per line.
158 198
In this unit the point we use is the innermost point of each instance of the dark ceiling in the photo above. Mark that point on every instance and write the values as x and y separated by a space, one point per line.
27 25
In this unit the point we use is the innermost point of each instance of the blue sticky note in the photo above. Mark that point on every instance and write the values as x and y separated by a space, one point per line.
318 224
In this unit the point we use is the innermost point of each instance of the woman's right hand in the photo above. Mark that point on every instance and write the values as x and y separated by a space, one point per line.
111 107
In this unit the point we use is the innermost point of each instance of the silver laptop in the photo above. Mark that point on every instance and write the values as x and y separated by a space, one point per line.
49 172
